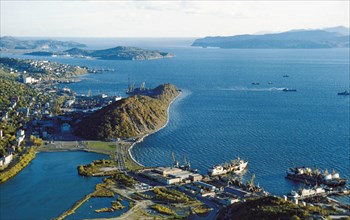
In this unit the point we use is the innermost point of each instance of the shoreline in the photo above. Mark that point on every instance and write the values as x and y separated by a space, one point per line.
74 146
153 132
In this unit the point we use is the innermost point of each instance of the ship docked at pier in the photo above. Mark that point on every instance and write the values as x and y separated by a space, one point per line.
236 166
142 90
315 177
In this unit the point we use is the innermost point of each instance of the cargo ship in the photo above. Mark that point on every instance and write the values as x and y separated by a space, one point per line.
237 166
344 93
315 177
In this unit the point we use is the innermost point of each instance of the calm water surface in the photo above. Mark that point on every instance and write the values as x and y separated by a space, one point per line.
221 115
47 187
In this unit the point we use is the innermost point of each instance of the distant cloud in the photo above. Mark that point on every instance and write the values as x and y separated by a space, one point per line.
166 18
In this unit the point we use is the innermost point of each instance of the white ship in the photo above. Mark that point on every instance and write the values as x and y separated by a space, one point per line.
237 166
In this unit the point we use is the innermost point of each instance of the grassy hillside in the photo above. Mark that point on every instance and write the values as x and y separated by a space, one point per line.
130 117
271 208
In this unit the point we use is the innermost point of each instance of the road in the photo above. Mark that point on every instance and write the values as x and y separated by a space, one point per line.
118 157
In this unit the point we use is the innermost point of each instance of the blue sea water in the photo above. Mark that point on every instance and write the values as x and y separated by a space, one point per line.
221 115
47 187
87 210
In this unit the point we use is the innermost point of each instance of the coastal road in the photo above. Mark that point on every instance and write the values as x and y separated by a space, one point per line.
215 210
119 157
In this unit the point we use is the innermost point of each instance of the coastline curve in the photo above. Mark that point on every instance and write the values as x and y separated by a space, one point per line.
153 132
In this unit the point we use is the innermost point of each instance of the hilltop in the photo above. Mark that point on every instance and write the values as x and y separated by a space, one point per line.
134 116
8 42
336 37
116 53
272 208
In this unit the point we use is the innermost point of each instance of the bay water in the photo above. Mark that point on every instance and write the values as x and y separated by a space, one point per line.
220 115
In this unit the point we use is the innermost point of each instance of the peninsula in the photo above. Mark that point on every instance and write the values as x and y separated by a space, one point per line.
116 53
9 43
297 39
132 117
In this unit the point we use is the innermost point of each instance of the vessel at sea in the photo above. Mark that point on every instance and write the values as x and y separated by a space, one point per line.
344 93
315 177
289 90
237 166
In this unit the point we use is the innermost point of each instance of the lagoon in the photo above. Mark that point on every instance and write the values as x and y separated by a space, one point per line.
47 187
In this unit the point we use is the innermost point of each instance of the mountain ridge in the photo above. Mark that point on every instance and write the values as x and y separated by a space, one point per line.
289 39
115 53
131 117
9 42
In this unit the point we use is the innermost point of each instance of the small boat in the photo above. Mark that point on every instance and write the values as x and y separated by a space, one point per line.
270 83
289 90
255 83
285 76
344 93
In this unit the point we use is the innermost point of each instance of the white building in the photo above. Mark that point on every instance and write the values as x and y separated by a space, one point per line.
5 160
27 80
20 136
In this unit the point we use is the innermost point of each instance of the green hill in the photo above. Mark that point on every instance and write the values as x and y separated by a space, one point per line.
116 53
272 208
311 39
8 42
130 117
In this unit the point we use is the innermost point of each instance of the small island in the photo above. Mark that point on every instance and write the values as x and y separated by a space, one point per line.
116 53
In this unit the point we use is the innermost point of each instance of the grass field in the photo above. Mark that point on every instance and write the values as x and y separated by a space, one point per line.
99 145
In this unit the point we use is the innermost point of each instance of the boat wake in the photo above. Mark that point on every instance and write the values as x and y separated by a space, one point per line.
253 89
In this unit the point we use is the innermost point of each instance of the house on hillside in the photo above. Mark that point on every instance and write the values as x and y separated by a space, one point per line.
6 160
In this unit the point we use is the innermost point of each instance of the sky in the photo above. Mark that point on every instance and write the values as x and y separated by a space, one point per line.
54 18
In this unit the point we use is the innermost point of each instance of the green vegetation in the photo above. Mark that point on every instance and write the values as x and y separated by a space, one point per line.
142 195
12 91
42 69
130 117
310 39
164 210
94 168
171 195
200 209
115 206
74 207
36 141
131 204
124 179
104 210
271 208
8 42
100 191
116 53
19 102
101 146
24 160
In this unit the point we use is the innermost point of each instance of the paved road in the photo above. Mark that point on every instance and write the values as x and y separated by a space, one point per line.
119 157
215 210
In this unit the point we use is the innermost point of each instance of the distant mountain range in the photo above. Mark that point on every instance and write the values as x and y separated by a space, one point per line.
116 53
335 37
14 43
